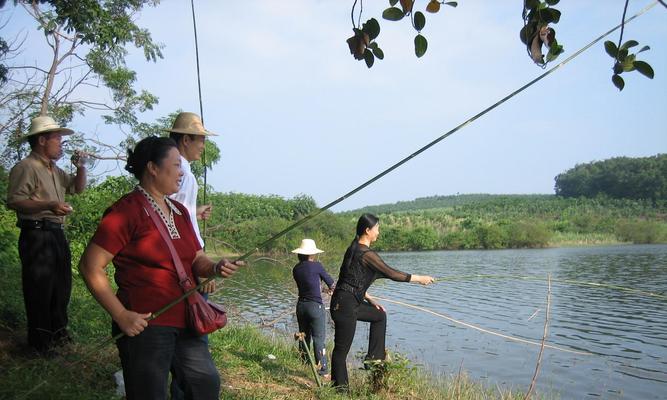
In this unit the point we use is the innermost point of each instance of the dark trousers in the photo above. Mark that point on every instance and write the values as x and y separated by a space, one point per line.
148 357
46 277
177 388
312 322
346 310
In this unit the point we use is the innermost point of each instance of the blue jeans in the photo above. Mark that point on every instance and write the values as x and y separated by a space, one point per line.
148 357
312 321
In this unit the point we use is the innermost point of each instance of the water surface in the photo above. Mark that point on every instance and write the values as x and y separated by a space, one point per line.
625 331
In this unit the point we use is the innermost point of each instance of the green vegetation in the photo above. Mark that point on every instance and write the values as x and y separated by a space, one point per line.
618 178
516 221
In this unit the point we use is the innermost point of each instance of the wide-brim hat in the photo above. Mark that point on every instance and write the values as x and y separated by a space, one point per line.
188 123
308 248
45 124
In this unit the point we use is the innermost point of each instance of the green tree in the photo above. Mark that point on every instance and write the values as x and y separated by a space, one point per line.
87 40
619 177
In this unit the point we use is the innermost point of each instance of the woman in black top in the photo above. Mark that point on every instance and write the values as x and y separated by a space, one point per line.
350 302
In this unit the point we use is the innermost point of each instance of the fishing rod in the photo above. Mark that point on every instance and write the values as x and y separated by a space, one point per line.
318 211
201 106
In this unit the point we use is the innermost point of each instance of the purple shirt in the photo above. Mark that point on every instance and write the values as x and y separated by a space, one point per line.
307 275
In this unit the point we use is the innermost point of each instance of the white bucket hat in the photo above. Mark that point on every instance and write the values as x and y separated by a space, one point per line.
308 248
44 124
189 123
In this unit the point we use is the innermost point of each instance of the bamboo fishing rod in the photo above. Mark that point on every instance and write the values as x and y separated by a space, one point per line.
318 211
201 107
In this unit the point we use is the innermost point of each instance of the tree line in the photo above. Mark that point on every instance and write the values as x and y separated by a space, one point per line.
617 178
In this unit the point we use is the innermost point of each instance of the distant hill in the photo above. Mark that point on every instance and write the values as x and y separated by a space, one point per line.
434 202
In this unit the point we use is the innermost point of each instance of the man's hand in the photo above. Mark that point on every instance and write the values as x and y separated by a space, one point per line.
204 212
61 208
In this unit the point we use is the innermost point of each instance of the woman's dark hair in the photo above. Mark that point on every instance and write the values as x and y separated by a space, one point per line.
152 148
303 257
364 222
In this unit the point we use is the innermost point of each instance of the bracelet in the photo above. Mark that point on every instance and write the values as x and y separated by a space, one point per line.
216 269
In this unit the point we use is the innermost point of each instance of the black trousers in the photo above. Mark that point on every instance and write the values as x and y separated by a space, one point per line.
46 277
346 310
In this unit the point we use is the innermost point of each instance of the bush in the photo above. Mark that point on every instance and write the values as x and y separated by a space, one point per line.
641 232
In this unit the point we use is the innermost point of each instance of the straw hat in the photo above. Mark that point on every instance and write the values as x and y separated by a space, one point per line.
189 124
44 124
308 248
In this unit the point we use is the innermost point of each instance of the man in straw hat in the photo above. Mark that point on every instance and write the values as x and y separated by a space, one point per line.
36 191
190 136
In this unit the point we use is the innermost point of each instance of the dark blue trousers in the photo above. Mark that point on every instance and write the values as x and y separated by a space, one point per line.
312 321
148 357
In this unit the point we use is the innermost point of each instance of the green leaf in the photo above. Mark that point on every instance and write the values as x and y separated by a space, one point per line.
643 49
552 2
373 45
451 3
393 2
644 68
531 4
420 21
393 14
371 28
421 44
369 58
550 15
622 54
629 63
611 49
629 43
378 53
618 81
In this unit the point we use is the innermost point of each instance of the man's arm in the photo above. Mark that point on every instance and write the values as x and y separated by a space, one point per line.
29 206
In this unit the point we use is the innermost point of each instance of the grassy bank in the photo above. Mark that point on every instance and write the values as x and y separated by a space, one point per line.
83 370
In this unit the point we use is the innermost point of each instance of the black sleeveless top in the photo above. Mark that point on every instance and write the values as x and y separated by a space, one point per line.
366 267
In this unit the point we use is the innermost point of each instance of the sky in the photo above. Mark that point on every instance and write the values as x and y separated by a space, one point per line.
296 114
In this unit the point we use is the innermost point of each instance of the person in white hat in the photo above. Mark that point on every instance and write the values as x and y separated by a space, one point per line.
190 136
308 274
36 191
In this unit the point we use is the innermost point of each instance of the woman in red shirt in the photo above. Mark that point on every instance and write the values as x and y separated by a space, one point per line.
147 279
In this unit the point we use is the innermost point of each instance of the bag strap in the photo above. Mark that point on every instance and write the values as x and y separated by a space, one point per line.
184 281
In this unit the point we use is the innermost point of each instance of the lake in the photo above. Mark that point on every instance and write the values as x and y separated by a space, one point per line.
620 326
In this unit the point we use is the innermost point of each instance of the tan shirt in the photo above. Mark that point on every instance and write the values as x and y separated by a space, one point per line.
32 179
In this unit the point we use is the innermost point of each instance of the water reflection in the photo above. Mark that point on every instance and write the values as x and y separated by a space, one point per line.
626 331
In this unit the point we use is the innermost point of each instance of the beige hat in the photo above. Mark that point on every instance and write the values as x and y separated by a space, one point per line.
308 248
44 124
189 124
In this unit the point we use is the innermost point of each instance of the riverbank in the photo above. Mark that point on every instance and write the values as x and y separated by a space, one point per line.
252 363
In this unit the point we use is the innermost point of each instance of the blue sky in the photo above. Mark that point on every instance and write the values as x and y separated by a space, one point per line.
297 114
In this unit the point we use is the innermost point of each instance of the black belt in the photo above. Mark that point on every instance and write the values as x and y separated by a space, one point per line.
42 224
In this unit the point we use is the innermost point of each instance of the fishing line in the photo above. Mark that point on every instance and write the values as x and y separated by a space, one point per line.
317 212
568 281
456 321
